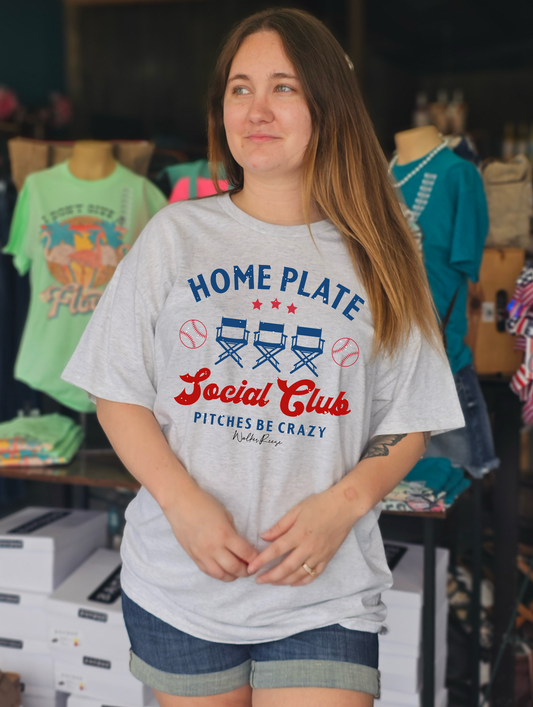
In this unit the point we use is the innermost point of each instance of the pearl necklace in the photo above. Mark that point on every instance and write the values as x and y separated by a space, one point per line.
424 162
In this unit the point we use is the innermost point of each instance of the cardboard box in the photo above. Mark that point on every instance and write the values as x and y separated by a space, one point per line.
494 350
32 660
9 689
389 647
390 698
100 679
23 615
77 701
403 673
405 599
40 547
41 697
85 612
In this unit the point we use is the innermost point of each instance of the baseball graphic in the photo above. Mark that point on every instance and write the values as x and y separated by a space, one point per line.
345 352
193 334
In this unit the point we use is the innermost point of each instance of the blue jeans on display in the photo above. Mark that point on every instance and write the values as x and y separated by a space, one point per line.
471 447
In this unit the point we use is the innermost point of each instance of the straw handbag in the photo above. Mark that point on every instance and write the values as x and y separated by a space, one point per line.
509 198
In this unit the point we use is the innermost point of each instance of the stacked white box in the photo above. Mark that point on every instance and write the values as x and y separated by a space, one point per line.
76 701
40 697
88 636
38 548
401 657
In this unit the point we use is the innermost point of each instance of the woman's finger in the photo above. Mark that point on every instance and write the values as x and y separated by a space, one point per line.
213 569
230 563
278 548
283 525
310 577
241 548
297 576
291 564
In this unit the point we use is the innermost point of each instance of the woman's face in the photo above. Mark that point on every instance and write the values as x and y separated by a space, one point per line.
267 121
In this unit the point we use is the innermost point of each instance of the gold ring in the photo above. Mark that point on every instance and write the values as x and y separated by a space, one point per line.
308 569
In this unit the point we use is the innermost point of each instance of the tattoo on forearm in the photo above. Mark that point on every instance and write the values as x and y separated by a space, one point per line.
427 435
379 446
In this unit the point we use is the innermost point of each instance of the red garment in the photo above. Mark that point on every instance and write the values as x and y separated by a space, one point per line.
204 187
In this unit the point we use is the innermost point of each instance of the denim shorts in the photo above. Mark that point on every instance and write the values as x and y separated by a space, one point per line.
471 447
176 663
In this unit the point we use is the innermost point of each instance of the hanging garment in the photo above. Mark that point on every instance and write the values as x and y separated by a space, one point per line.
471 447
14 301
449 204
191 180
71 234
520 323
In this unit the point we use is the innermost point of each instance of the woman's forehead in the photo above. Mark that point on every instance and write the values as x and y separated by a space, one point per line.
263 54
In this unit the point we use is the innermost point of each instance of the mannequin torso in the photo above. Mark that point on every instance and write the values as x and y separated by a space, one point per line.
92 160
416 143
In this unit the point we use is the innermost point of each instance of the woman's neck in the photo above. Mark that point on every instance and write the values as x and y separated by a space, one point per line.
416 143
276 203
92 160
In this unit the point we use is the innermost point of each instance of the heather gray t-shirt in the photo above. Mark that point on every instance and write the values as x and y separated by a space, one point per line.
252 346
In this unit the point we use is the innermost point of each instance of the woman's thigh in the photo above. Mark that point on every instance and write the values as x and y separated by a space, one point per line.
331 666
242 697
309 697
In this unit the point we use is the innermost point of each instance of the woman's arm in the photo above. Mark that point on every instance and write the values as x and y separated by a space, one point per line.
200 523
314 529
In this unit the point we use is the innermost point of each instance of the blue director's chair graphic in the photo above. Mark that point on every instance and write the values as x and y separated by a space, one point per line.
232 335
270 341
307 344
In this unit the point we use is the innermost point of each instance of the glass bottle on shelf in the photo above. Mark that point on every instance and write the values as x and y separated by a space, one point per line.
456 113
522 139
438 112
530 144
421 115
508 143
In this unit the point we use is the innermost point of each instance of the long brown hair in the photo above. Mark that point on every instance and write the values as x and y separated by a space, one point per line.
344 172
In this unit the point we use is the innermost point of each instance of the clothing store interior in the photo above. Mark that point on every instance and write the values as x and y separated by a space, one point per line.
103 124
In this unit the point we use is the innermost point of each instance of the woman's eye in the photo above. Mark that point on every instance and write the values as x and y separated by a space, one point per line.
239 90
284 88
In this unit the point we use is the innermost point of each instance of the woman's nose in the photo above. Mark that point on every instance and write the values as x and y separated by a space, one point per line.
260 109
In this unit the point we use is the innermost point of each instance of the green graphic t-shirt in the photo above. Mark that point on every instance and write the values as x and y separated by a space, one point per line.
72 233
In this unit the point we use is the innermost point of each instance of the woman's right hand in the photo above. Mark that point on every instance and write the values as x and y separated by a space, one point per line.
206 531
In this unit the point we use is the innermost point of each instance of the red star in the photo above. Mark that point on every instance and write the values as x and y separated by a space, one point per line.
257 304
292 309
275 304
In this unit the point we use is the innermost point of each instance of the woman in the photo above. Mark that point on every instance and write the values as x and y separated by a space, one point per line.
267 364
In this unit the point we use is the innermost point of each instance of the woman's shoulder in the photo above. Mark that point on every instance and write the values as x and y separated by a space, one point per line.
180 214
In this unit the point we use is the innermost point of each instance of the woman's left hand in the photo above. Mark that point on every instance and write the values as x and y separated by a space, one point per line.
312 532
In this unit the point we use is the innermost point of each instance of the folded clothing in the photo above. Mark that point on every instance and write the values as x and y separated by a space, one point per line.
432 485
38 441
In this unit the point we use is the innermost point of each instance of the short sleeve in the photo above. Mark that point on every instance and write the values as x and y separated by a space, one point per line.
415 392
471 222
155 198
114 359
17 245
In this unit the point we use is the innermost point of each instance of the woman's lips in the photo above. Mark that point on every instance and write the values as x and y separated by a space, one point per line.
261 138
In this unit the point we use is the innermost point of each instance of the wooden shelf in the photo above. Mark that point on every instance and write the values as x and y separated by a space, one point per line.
100 468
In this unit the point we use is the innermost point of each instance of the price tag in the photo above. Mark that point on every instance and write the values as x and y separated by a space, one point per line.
488 312
62 638
71 682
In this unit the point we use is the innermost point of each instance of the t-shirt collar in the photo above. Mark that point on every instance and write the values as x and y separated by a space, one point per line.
271 229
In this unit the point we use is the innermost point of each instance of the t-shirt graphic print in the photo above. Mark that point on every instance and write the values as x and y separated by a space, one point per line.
251 343
277 339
